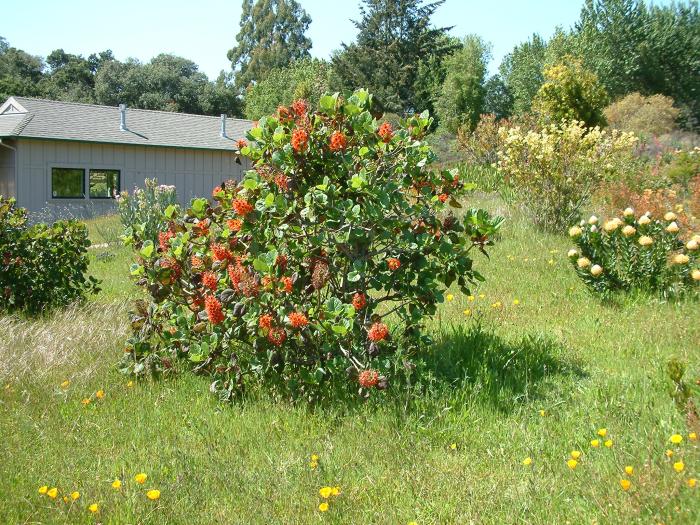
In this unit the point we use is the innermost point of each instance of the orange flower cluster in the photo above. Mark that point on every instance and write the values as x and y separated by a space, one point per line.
201 228
197 262
288 284
393 263
338 141
214 310
368 378
359 301
443 197
298 320
300 107
210 280
386 132
277 336
282 182
221 253
164 239
241 143
234 225
242 207
378 332
300 139
265 321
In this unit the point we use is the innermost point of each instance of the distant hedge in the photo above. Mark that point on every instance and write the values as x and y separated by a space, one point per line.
41 266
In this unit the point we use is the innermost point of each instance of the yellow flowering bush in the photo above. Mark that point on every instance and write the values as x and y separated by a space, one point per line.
636 253
554 171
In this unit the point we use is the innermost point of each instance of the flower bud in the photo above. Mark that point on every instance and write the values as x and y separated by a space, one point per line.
672 228
583 262
629 212
670 216
596 270
628 231
574 231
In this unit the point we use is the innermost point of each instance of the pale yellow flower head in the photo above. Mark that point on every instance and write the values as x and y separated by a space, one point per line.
681 258
629 230
679 466
596 270
611 225
94 508
575 231
644 220
140 478
672 228
593 220
629 212
670 216
645 240
695 274
692 245
594 228
583 262
629 470
573 252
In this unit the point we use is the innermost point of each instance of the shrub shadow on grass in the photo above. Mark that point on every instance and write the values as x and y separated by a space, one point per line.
475 364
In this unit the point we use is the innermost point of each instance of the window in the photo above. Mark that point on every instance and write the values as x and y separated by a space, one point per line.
104 184
68 183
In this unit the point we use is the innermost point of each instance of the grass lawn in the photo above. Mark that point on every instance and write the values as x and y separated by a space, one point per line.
535 379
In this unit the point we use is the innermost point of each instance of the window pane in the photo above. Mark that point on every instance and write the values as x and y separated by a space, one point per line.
67 183
104 184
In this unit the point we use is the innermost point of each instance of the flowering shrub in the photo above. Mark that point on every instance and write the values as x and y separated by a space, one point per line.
554 171
653 115
628 253
317 272
41 266
144 208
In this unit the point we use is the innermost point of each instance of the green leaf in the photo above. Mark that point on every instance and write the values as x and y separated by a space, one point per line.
353 277
147 249
327 103
170 211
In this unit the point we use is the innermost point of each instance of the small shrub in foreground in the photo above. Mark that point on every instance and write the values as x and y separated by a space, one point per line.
627 253
41 266
316 274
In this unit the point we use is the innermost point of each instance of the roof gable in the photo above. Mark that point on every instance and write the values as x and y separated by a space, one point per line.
50 119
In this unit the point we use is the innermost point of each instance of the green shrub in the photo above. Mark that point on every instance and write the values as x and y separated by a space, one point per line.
41 266
571 92
481 145
654 115
647 254
316 274
555 171
144 208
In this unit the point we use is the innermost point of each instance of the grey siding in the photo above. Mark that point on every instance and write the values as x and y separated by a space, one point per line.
193 172
7 169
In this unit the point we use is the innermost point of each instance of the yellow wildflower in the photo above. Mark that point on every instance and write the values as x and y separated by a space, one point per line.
482 295
527 462
100 394
572 464
497 304
74 495
629 470
692 436
140 478
625 484
313 464
678 466
153 494
608 443
449 297
551 261
669 453
335 491
676 439
117 484
453 446
575 454
467 312
86 401
692 482
602 432
595 443
314 457
325 492
94 508
516 302
65 499
65 384
130 384
323 507
43 489
470 298
542 413
52 493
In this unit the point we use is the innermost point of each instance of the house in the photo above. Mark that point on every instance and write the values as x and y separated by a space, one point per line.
67 159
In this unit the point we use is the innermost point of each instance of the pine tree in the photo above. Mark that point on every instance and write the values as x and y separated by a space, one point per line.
394 38
272 35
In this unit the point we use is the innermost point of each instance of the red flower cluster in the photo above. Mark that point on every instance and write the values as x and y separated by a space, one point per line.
298 320
338 141
214 310
282 182
393 263
443 197
368 378
234 225
241 143
288 284
359 301
300 138
217 191
197 262
221 253
386 132
378 332
164 239
201 228
236 273
210 280
242 207
277 336
265 321
300 107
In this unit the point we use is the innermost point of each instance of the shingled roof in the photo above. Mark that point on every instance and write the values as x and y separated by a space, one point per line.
51 119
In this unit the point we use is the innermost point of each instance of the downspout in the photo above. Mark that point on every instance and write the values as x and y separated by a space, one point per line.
7 146
15 165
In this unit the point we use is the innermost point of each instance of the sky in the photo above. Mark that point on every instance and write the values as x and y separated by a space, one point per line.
205 30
